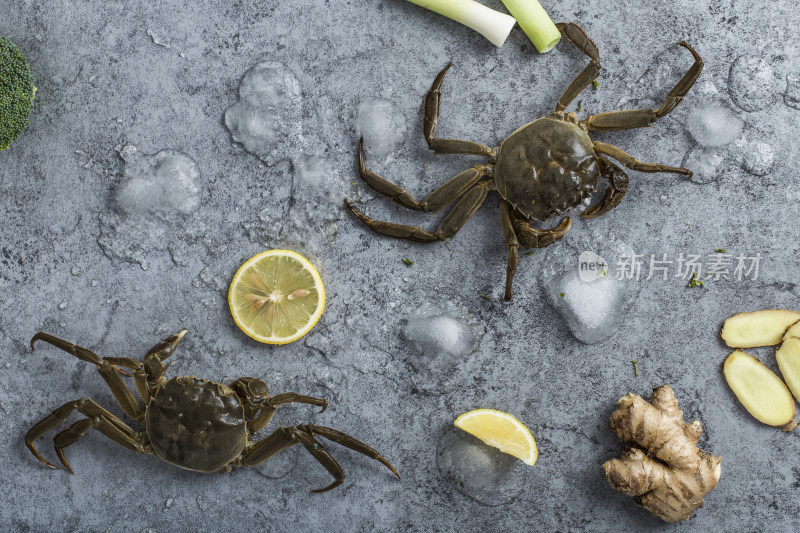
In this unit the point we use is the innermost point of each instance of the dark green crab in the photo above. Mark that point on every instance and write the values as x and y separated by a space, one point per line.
189 422
541 170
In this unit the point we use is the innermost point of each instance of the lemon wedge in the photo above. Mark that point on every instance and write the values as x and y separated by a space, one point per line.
502 431
276 297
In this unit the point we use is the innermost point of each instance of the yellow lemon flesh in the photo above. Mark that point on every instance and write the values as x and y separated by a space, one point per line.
276 297
502 431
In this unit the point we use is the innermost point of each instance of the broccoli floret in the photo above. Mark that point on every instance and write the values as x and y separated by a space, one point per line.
16 93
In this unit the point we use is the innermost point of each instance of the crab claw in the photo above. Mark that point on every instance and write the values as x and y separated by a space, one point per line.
36 454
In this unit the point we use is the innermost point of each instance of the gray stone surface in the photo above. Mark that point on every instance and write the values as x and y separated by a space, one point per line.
160 75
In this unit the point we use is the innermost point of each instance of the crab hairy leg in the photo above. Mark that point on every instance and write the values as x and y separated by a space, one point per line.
111 426
108 371
617 187
430 118
286 437
445 194
454 221
271 404
632 163
512 243
640 118
578 36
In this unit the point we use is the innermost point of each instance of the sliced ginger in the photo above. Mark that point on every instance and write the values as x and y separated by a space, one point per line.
793 331
759 390
759 328
663 469
788 357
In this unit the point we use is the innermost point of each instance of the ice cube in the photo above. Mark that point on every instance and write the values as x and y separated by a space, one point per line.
591 301
382 124
164 183
712 123
478 470
706 164
757 157
658 79
436 333
751 83
267 119
792 95
592 310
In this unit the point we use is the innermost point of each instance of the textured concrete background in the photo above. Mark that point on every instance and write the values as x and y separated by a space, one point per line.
104 81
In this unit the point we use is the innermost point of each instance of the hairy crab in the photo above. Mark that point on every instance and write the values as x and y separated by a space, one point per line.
541 170
192 423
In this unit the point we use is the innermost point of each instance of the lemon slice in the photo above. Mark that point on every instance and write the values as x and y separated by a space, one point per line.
276 297
502 431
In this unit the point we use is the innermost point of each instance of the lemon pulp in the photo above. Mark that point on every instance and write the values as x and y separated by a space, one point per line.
502 431
276 297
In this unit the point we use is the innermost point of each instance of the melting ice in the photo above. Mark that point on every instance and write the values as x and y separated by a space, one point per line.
267 117
436 332
382 125
164 183
751 83
477 470
156 193
592 307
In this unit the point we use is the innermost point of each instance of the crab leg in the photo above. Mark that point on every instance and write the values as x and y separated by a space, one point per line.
640 118
445 194
517 230
430 118
631 162
454 221
512 243
578 36
271 404
617 187
304 434
108 371
98 417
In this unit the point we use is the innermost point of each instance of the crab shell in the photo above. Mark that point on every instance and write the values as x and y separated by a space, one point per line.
196 424
546 168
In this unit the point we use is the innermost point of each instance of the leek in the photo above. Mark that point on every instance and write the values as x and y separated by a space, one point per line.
535 22
492 24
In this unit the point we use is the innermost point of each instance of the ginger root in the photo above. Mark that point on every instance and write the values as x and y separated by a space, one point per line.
662 469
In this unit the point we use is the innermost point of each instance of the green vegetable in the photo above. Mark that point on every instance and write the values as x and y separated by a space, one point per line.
492 24
408 262
721 250
695 282
526 254
635 367
16 93
486 297
535 22
595 84
563 294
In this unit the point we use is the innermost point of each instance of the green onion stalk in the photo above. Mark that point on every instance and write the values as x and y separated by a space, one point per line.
535 22
496 26
492 24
